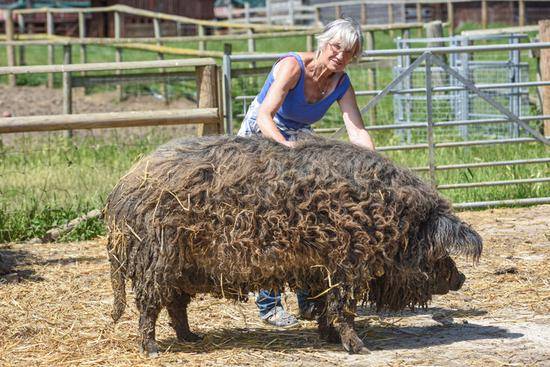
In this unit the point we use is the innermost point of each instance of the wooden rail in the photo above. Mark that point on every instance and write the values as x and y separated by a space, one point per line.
155 15
108 120
102 66
292 13
208 114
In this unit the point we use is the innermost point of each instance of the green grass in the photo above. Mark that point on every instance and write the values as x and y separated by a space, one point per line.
45 182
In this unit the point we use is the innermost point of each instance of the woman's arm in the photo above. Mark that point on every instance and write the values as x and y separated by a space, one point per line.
286 75
353 120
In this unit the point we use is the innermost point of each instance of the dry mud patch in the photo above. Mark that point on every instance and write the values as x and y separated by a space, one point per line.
55 305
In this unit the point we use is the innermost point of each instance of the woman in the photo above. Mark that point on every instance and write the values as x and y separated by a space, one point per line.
297 93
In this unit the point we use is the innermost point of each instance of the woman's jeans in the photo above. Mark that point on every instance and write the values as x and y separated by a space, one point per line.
267 300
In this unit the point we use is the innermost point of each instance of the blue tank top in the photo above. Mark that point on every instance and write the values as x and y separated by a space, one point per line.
296 112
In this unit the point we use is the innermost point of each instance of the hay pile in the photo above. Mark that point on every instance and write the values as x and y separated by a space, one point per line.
57 313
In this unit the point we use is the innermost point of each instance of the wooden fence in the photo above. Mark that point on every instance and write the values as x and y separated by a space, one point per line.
154 44
292 11
208 112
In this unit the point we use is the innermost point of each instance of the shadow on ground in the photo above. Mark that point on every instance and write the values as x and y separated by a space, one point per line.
375 338
12 267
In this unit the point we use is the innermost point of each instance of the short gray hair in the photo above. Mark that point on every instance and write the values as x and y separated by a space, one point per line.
347 30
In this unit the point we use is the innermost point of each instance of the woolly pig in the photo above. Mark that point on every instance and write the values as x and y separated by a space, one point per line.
230 215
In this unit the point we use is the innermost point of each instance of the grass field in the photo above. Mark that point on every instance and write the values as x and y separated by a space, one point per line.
44 182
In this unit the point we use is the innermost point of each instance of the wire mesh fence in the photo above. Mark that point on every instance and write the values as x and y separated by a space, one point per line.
481 69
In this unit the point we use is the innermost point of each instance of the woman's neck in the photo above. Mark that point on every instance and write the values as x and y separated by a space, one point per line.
320 72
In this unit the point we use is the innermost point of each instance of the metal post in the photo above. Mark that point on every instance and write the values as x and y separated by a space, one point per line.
431 145
396 106
371 74
51 50
67 87
515 97
226 64
465 94
408 82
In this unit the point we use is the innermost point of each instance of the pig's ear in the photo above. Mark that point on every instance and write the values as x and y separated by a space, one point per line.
457 237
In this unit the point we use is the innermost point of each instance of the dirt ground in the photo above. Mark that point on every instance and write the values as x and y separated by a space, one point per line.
55 305
31 101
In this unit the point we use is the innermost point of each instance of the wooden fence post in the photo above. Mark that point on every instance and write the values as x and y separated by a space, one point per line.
200 33
207 97
435 30
451 17
268 11
521 11
544 35
290 12
371 74
390 18
250 31
10 49
309 42
51 48
363 13
118 52
67 87
318 21
83 48
160 56
484 18
230 16
22 30
337 12
419 18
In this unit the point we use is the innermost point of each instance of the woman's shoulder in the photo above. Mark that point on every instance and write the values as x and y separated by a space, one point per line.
288 67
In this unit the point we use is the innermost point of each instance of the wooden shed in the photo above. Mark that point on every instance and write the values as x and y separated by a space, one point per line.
103 24
506 12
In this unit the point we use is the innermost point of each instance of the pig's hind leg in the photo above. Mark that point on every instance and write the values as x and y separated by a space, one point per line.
177 310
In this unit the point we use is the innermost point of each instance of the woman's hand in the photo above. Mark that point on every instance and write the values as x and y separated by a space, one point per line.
290 144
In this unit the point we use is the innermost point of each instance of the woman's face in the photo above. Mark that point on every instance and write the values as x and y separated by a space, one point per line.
335 57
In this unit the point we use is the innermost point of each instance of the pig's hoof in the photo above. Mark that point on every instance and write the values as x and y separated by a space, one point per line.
189 337
352 343
330 335
150 349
